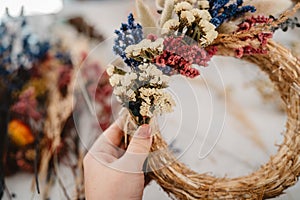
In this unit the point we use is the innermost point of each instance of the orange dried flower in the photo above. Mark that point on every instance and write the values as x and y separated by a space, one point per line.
20 133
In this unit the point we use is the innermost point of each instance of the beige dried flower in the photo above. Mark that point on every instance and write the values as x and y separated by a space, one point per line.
128 78
210 34
183 6
145 110
206 26
110 70
149 73
188 16
115 79
170 25
208 38
160 101
201 14
145 50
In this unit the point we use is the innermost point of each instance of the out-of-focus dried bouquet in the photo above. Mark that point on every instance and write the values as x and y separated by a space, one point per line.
37 87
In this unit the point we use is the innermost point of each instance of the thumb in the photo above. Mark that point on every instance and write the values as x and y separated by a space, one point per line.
141 141
138 149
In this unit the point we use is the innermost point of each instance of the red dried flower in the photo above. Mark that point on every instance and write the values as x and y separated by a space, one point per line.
249 50
264 37
250 22
27 104
180 56
212 50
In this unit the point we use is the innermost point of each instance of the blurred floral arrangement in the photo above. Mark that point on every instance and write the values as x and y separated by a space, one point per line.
30 70
188 35
36 81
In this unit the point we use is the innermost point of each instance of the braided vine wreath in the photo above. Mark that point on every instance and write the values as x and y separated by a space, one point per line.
283 68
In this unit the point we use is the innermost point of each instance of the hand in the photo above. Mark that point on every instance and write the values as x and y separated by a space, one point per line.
110 172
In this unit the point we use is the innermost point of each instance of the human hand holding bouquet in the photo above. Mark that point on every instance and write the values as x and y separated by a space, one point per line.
118 168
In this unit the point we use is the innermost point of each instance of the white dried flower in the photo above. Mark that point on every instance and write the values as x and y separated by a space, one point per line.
164 103
145 49
157 98
183 6
119 90
115 79
123 86
128 79
149 73
188 16
211 36
201 14
172 24
110 70
206 26
146 93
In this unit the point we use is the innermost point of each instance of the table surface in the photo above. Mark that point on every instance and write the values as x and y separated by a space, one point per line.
220 126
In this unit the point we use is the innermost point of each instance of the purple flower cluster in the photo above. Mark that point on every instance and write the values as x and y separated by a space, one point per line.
220 11
129 34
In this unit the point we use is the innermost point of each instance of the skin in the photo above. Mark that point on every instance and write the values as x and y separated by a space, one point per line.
110 172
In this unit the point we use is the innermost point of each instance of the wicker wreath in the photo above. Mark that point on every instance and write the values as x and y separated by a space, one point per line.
282 170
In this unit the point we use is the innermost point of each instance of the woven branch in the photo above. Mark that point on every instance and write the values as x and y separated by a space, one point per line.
271 179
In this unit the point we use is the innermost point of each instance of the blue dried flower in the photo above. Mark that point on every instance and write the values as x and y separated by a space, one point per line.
220 12
129 34
19 50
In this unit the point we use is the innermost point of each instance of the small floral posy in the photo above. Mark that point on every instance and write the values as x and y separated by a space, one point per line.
183 44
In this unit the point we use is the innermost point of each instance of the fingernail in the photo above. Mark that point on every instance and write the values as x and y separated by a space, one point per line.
144 131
